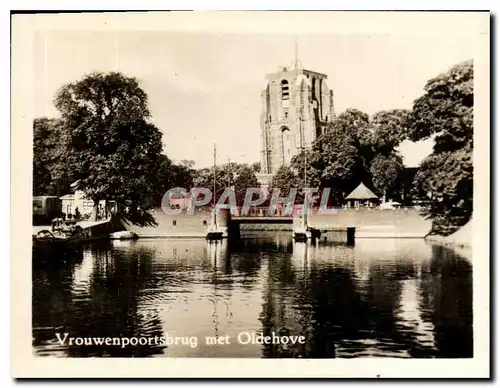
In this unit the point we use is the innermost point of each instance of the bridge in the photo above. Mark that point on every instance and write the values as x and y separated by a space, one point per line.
294 219
262 220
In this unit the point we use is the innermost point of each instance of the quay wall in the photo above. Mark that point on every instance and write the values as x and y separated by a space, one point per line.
157 224
376 223
369 223
94 230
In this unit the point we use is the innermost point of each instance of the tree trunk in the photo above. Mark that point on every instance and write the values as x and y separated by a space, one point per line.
95 210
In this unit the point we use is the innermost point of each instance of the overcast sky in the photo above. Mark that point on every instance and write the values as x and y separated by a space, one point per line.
205 87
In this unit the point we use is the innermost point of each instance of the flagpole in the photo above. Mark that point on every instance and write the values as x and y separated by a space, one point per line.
214 193
305 185
296 53
305 168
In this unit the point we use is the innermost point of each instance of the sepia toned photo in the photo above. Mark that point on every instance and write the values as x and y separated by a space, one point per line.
231 188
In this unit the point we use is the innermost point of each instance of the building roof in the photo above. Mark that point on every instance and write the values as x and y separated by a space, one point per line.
361 192
68 196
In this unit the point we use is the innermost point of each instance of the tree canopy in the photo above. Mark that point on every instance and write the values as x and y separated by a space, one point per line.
445 112
112 148
169 175
354 148
49 178
389 129
285 179
239 176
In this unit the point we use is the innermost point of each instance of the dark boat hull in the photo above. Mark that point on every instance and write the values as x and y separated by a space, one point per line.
215 236
54 249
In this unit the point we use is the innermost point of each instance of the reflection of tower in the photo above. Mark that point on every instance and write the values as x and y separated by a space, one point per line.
362 268
411 315
296 106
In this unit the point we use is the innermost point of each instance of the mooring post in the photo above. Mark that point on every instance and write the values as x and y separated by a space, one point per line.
233 229
351 235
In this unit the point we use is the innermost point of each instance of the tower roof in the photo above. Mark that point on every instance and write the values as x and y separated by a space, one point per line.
296 65
361 192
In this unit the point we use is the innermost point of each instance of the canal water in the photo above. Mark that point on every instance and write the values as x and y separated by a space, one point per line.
380 298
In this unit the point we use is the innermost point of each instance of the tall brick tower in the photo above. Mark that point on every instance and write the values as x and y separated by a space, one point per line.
296 106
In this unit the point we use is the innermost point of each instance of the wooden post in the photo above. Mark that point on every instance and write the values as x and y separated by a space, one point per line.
351 235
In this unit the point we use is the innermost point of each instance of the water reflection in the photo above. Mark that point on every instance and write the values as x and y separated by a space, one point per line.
383 298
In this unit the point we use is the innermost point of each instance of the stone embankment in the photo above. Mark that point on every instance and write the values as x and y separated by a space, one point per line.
461 240
369 223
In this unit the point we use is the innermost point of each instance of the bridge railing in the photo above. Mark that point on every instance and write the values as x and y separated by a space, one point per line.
264 212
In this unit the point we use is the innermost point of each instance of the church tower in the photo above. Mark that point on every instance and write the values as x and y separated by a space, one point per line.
296 106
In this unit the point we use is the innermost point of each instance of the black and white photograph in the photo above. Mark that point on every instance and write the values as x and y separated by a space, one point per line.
243 186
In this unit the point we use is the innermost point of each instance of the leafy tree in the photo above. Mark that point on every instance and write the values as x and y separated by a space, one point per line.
285 179
238 176
202 177
113 148
385 171
343 153
245 179
41 174
50 173
356 149
448 178
313 168
390 128
187 163
445 112
256 167
170 175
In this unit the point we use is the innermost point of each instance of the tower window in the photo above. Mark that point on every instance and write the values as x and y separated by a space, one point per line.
285 91
286 141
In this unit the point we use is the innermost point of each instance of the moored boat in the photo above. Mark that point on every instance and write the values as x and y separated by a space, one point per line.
123 235
47 245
